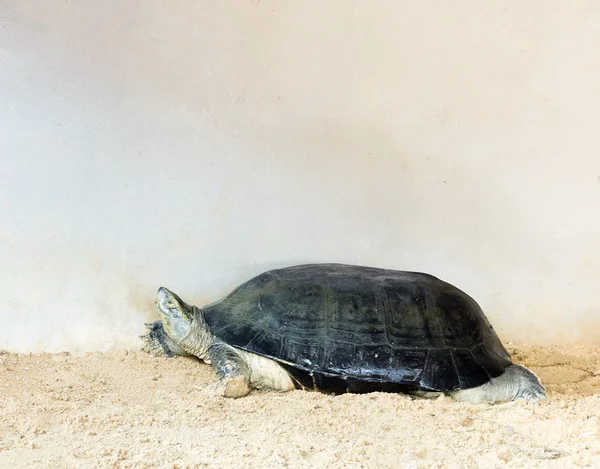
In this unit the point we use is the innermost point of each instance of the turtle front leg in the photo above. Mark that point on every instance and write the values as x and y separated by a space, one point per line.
158 343
231 370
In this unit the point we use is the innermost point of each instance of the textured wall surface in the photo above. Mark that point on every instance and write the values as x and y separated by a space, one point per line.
194 144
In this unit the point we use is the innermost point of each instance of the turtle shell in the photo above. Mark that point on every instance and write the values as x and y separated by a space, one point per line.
342 328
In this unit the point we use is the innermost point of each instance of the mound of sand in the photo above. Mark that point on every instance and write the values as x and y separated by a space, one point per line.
130 410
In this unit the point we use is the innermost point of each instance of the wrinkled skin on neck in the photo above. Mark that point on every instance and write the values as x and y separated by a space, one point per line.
199 339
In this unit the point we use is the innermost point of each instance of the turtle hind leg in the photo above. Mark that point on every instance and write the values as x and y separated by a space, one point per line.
158 343
231 369
516 383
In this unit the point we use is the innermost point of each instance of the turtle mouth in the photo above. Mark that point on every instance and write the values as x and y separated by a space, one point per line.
175 314
164 300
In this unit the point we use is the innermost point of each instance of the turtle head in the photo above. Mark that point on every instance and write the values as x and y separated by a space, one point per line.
176 315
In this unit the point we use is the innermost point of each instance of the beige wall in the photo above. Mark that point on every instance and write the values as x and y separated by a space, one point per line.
194 144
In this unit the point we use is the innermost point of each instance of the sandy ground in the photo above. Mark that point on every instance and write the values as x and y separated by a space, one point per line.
130 410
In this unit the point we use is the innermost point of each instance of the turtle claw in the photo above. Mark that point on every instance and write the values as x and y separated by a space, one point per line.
154 350
533 395
236 387
232 388
155 343
147 337
152 329
154 326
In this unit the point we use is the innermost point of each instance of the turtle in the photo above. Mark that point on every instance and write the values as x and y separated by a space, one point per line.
339 328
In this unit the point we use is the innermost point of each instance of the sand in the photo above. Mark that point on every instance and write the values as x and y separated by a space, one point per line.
131 410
